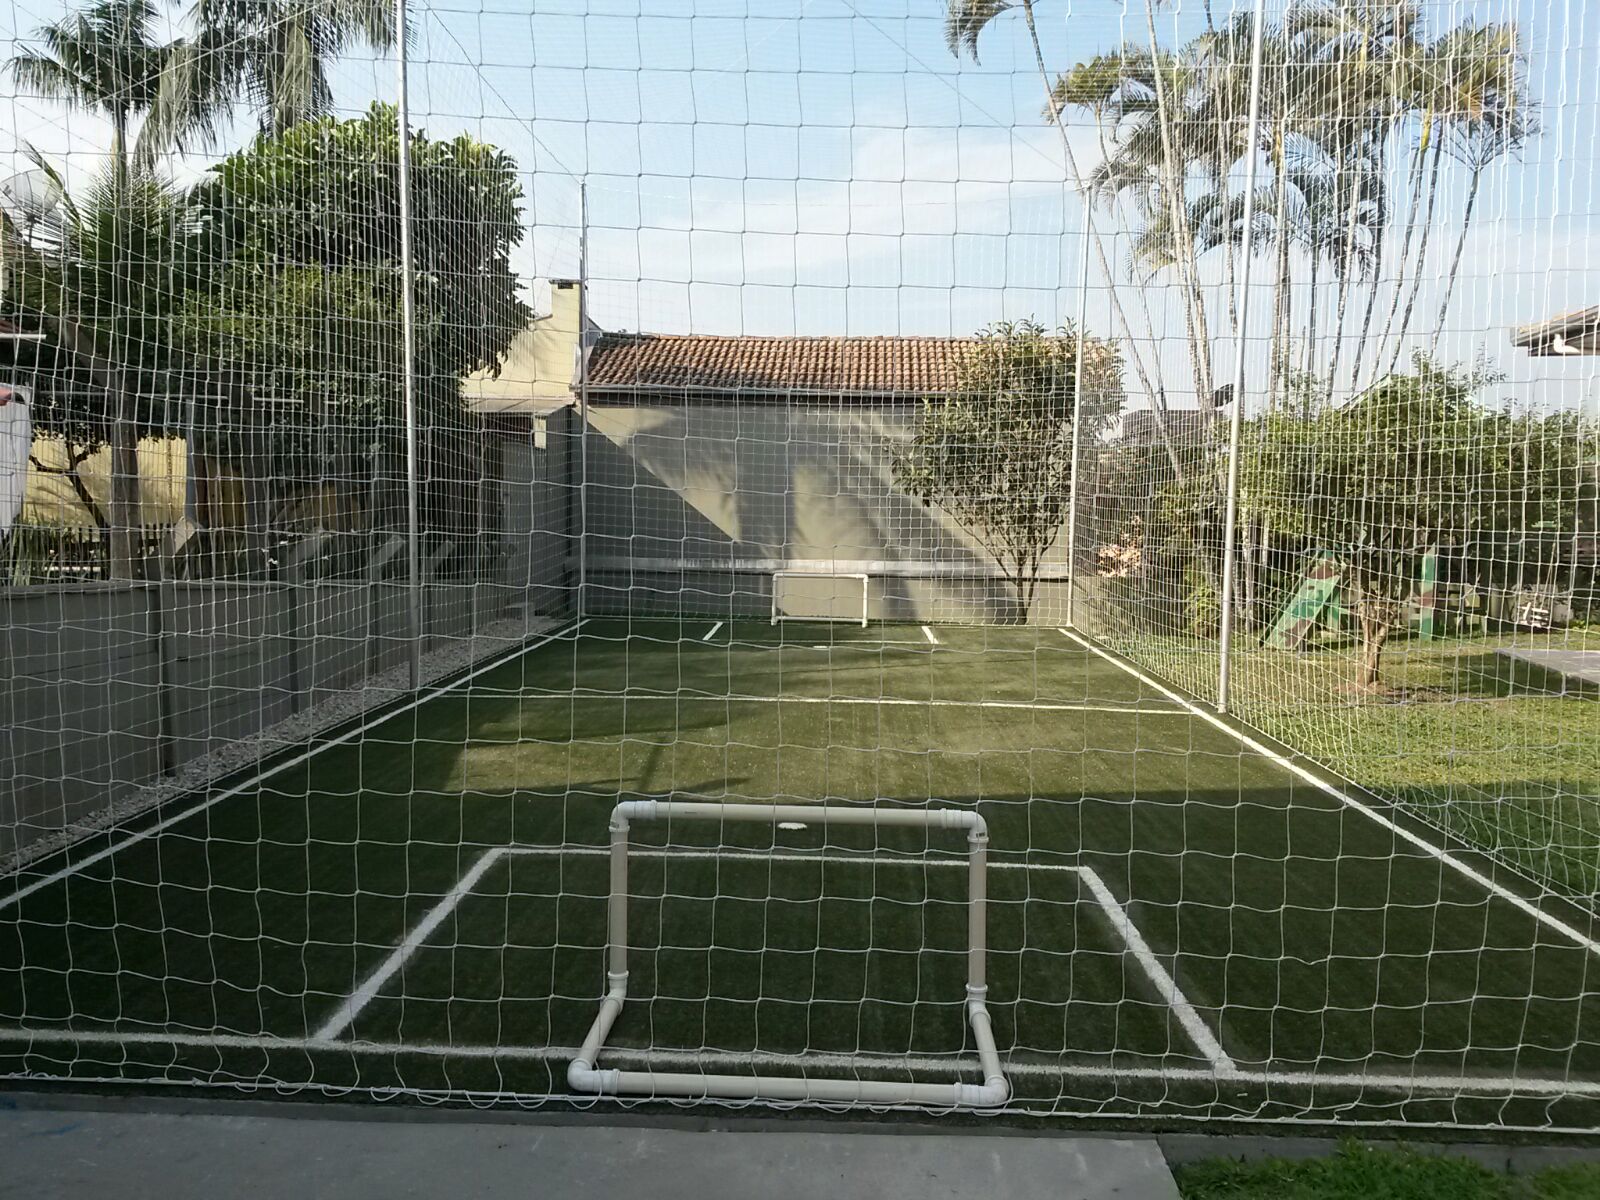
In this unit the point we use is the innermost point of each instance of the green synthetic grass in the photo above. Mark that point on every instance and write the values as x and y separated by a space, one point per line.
1304 934
1362 1173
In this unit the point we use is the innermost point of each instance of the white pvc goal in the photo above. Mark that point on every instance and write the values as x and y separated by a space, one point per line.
839 596
585 1075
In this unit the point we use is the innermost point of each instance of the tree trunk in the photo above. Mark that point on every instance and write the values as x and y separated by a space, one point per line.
1374 636
1461 247
1422 259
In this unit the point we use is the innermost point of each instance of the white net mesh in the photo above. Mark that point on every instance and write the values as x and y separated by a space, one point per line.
1147 448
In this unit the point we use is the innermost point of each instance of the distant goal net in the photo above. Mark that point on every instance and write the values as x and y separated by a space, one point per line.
842 597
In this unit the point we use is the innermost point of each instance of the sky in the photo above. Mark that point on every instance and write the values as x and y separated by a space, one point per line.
829 167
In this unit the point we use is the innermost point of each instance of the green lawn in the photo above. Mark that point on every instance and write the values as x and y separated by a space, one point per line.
1336 968
1502 755
1360 1173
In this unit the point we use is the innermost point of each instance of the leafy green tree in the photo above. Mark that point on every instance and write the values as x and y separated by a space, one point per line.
307 307
996 454
1412 465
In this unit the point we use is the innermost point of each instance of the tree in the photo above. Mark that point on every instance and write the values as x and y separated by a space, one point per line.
307 307
271 55
996 454
105 271
104 59
1412 465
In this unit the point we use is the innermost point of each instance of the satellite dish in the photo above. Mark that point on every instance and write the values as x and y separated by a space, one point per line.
28 198
16 439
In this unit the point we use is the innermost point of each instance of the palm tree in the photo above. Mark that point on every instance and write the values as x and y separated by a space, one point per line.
271 55
104 59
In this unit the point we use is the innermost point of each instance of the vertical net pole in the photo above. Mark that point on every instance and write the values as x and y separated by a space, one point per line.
408 334
1077 416
583 398
1230 520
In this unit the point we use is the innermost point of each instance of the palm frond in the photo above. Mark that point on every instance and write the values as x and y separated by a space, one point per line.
965 20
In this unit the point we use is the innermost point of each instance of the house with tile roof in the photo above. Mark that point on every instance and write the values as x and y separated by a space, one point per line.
726 470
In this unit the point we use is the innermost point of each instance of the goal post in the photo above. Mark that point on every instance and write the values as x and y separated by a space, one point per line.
847 583
585 1075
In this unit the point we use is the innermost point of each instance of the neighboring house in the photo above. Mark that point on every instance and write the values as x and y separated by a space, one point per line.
1575 333
526 410
718 461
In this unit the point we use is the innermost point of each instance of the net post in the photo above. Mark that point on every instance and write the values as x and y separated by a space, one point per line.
1230 520
583 398
1077 416
408 366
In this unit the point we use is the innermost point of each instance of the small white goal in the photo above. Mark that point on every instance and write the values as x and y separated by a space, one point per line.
585 1075
839 596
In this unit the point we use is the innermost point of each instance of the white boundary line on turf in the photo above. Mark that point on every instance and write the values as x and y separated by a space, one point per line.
928 633
419 933
898 701
1344 797
165 823
1166 986
1477 1085
712 632
1197 1030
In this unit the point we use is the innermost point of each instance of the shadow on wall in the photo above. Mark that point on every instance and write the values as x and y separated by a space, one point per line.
704 501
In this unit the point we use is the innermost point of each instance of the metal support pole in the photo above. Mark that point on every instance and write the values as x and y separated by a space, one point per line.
408 327
1230 520
1077 415
583 399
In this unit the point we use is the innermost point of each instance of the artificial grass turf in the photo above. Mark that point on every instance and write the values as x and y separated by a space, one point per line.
1359 1172
1304 934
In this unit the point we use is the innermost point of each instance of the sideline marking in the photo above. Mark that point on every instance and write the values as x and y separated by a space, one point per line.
167 822
1344 797
738 698
712 632
928 633
1166 986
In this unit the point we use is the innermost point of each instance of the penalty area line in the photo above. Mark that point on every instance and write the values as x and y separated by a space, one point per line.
1165 984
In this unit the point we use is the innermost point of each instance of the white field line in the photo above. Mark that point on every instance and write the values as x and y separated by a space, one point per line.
1165 985
1478 1085
167 822
867 647
928 633
894 701
712 632
420 933
1197 1030
1366 810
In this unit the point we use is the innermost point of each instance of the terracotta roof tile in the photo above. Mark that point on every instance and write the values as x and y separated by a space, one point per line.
868 366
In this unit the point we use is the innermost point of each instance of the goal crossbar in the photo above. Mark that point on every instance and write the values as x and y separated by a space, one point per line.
860 577
584 1074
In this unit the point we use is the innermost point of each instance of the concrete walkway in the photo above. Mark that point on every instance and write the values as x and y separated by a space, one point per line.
135 1155
1575 664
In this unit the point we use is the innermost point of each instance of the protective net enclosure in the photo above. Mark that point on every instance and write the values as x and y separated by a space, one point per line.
1028 559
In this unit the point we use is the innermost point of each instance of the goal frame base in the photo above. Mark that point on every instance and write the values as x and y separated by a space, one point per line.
586 1076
